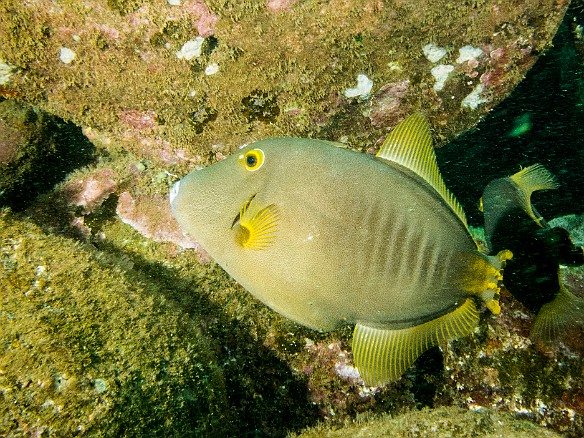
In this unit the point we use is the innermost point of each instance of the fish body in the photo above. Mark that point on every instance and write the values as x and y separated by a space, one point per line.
327 236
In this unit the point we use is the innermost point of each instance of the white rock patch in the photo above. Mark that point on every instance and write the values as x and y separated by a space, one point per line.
468 53
363 88
212 69
440 73
191 49
5 72
474 99
66 55
433 52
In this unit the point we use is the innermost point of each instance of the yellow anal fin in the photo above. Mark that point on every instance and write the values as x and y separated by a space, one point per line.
410 145
529 180
383 355
555 317
255 227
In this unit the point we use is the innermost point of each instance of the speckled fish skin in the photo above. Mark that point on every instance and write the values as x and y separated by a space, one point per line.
359 239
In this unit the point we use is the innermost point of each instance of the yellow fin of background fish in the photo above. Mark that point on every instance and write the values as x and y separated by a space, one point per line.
555 317
383 355
256 227
410 145
529 180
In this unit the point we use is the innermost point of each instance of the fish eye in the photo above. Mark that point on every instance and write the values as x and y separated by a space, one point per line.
253 159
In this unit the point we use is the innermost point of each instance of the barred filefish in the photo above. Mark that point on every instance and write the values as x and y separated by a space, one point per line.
327 236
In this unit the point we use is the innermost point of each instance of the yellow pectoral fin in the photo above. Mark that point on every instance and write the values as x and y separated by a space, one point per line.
383 355
256 225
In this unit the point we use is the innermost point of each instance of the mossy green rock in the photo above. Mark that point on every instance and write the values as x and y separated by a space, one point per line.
86 347
36 151
442 422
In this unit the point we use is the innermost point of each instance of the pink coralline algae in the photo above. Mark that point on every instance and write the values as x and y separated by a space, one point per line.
204 20
160 150
389 104
332 357
502 60
145 146
90 191
280 5
326 362
151 216
141 120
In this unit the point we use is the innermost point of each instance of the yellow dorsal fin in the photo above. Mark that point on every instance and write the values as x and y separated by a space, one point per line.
255 227
383 355
410 145
529 180
555 317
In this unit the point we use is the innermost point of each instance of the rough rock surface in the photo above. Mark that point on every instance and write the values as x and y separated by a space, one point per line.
36 151
87 346
438 423
169 81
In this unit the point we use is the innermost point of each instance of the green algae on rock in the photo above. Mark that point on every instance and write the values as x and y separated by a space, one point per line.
439 423
501 369
86 347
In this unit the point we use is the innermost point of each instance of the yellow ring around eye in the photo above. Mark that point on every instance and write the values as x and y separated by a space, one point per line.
253 159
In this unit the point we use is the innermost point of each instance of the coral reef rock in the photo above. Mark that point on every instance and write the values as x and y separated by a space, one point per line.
36 151
440 422
171 79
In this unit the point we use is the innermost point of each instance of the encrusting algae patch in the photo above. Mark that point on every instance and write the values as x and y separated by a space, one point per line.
438 423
